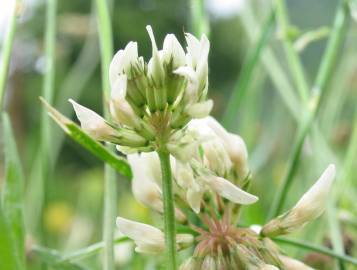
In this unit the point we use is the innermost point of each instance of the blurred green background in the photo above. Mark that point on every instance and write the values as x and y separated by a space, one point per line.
68 213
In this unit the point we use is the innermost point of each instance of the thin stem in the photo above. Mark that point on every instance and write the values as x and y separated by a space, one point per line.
291 54
199 20
6 52
110 199
48 94
169 208
329 60
247 72
89 251
315 248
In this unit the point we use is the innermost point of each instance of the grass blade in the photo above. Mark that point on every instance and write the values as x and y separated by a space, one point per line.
13 191
6 52
93 146
247 72
8 258
110 198
322 250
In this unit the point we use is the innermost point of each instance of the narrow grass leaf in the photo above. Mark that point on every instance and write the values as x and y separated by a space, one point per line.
13 191
8 258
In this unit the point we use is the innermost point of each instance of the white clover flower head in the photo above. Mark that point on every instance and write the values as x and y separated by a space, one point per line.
156 99
149 239
309 207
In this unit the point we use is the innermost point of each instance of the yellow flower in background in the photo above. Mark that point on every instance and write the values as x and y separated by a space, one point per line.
58 217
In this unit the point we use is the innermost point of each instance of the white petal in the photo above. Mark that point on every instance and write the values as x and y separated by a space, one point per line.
144 186
200 110
147 238
187 72
193 49
172 49
309 207
92 123
122 61
155 68
315 198
115 67
230 191
194 198
119 87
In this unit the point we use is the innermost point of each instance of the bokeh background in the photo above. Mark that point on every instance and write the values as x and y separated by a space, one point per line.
67 212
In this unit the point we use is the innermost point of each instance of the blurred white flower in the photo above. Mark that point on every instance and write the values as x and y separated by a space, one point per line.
6 11
309 207
225 8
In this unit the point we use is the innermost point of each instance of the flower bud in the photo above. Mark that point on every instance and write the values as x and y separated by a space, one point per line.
309 207
92 123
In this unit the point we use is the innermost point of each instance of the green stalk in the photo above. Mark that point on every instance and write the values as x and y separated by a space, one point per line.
247 72
324 72
169 208
291 54
199 20
48 94
89 250
315 248
6 52
110 199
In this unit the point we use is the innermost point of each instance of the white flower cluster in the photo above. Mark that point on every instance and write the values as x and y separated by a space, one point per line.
151 102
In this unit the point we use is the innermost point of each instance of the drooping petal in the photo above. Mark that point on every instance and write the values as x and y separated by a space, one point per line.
92 123
309 207
147 238
229 191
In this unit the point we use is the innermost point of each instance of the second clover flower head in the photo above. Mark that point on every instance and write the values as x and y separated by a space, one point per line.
152 102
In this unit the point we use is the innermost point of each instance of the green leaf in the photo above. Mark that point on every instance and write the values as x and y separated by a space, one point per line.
8 258
13 191
93 146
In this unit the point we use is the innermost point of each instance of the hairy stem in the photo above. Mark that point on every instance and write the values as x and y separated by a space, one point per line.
169 208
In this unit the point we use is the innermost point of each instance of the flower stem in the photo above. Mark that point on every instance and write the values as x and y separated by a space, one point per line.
110 199
322 250
169 209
